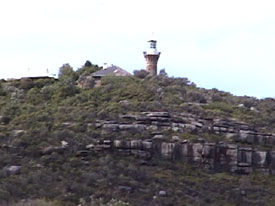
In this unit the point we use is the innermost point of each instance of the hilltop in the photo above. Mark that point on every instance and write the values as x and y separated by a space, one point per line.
135 140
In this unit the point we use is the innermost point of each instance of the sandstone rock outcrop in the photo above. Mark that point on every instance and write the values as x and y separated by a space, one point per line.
214 156
239 154
241 150
231 129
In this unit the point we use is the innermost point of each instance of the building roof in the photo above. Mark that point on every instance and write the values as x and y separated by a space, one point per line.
111 71
31 74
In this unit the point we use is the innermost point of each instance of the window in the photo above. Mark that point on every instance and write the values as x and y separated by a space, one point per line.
152 45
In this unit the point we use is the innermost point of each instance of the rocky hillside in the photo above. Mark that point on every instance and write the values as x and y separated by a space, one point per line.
137 140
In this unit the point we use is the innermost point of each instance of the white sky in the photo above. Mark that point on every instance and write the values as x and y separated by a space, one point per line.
223 44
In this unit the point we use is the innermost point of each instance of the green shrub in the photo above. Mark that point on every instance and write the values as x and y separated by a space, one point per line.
220 107
2 91
88 68
26 83
34 96
141 73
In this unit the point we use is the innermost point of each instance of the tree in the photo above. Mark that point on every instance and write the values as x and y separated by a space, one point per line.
67 72
88 64
67 81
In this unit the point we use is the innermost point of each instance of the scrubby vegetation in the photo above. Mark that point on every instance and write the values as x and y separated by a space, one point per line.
40 113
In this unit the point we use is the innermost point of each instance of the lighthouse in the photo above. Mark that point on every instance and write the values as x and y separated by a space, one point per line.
152 55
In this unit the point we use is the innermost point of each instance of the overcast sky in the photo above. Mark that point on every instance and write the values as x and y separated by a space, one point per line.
223 44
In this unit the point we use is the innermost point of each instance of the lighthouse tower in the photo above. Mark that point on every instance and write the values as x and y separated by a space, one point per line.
152 55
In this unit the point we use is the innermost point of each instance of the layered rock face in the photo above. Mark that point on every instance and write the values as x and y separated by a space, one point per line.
214 156
244 148
217 156
231 129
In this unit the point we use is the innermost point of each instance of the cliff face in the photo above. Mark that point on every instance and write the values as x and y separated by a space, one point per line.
231 129
234 156
214 156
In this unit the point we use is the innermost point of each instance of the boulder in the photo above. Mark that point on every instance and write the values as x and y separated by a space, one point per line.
158 137
64 144
162 193
14 170
18 132
90 146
